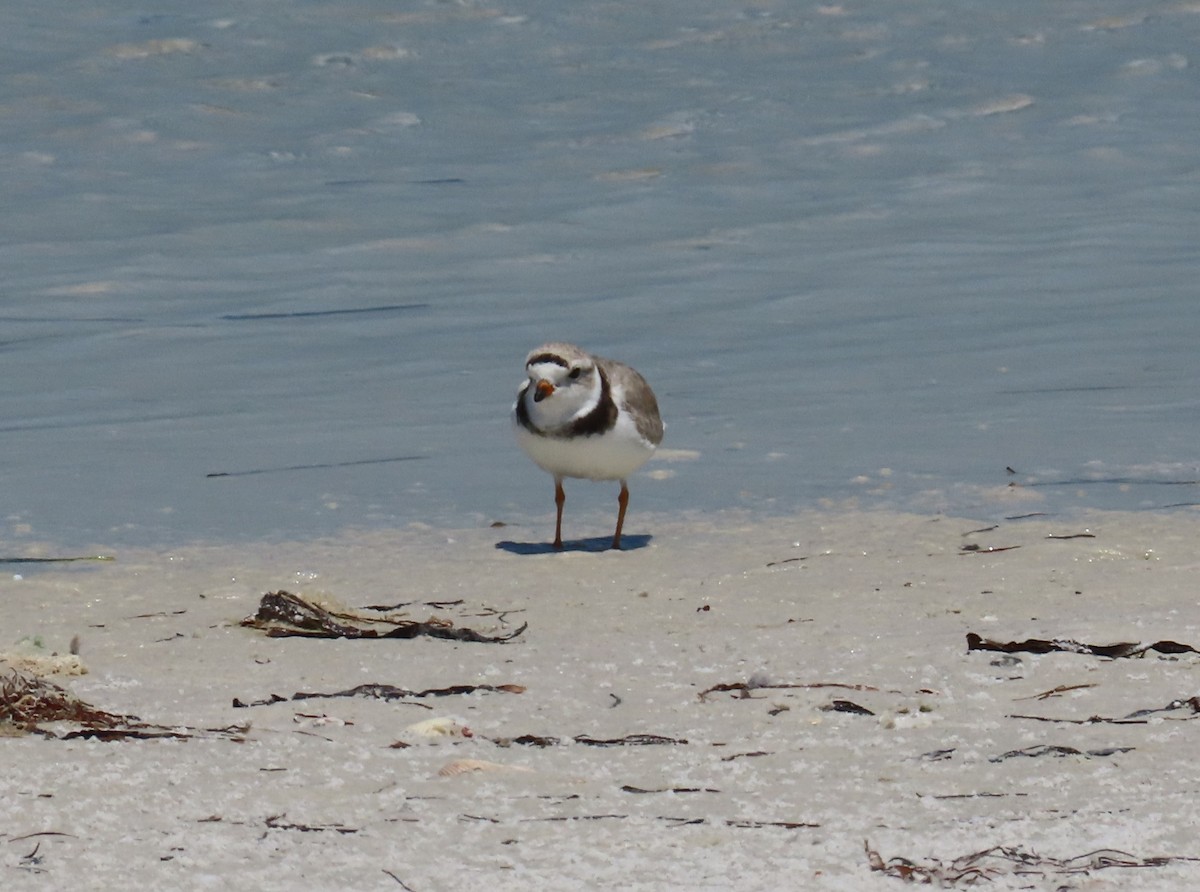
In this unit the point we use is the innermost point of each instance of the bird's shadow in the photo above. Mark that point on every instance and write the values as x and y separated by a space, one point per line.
597 544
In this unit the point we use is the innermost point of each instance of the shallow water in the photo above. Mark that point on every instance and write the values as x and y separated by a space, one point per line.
865 253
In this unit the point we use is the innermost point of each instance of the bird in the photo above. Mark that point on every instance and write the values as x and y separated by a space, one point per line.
584 416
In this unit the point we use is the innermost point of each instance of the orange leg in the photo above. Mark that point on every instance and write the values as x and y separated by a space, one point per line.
622 503
560 496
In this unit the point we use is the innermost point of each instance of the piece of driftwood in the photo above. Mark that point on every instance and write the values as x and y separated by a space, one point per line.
1065 645
282 614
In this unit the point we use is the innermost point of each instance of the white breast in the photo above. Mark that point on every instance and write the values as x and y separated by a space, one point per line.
613 455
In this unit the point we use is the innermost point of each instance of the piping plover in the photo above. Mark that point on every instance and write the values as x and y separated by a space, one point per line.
580 415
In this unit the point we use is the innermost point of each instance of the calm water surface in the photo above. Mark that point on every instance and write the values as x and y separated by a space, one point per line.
875 252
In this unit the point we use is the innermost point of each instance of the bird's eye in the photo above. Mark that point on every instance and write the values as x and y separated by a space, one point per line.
574 373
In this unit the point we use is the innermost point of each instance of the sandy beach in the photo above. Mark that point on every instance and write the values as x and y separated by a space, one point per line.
733 703
271 271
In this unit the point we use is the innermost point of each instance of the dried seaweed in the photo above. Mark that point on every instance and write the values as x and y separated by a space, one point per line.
1058 691
986 549
277 822
564 818
1002 861
745 687
994 526
937 755
1191 703
32 862
1061 751
1064 645
791 560
629 788
375 691
28 704
751 755
403 885
1138 717
400 605
742 823
585 740
282 614
144 731
787 825
38 833
389 692
846 706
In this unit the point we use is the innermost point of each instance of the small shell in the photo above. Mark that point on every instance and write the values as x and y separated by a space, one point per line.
318 721
455 767
435 729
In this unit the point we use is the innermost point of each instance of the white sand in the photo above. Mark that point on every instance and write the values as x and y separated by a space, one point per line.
621 644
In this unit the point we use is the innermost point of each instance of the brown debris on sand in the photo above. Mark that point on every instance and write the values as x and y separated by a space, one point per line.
28 704
536 740
1065 645
282 614
999 861
376 691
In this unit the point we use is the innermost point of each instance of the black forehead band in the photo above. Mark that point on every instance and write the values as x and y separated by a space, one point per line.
548 357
